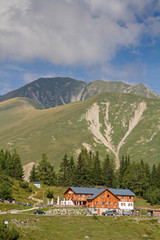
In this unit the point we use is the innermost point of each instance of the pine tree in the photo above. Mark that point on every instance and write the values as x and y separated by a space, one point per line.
63 174
154 176
122 169
80 172
16 170
71 171
2 159
97 172
158 176
7 164
45 171
108 173
33 174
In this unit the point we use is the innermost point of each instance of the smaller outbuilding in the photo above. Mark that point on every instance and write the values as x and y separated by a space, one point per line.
37 184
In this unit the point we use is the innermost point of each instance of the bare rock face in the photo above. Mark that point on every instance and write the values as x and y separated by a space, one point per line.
27 169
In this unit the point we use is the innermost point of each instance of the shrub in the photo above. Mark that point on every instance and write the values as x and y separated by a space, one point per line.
6 233
24 185
6 191
50 194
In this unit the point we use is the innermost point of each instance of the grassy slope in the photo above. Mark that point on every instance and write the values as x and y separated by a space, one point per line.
63 129
78 227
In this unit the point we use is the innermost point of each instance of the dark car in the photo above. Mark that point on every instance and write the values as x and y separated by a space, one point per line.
127 213
39 212
110 213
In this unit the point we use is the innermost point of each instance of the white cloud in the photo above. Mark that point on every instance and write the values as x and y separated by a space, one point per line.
5 86
14 67
132 73
29 77
70 31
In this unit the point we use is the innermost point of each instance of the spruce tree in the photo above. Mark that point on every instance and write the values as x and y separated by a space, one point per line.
33 174
154 176
45 171
63 174
108 173
158 176
97 172
2 159
80 172
16 170
71 171
122 169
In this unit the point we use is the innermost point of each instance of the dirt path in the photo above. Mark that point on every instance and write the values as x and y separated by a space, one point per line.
92 116
38 201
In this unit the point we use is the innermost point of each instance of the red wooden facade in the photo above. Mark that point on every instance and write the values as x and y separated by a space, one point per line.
106 199
100 198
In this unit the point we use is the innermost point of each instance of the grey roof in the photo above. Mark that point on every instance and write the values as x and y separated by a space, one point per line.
96 191
121 192
93 191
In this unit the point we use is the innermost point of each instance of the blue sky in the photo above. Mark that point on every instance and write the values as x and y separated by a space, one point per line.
116 40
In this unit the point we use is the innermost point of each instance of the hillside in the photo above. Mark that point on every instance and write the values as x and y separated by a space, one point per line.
52 92
113 123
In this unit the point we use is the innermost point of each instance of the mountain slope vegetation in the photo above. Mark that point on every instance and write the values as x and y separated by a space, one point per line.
52 92
113 123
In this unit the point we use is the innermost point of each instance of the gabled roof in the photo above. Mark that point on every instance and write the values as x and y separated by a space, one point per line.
93 191
121 192
90 190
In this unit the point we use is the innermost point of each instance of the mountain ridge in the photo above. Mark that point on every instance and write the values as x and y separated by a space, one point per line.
52 92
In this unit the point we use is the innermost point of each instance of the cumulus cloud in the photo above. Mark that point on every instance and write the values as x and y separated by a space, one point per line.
132 73
29 77
72 31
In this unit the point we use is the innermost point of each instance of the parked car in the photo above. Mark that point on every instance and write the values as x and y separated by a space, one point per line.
39 212
127 213
110 213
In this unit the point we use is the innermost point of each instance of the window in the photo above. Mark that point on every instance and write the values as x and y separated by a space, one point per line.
103 203
114 203
123 204
109 203
107 196
80 195
122 197
130 197
102 195
96 203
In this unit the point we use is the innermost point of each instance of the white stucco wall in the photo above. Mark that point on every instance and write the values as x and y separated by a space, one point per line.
126 205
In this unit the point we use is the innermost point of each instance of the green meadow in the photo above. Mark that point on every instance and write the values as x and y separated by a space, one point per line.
65 129
83 227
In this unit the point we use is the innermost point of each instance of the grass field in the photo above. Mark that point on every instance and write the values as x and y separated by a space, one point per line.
64 129
83 227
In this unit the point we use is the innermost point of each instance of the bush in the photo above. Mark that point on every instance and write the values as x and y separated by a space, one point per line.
152 196
6 233
50 194
6 191
26 186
